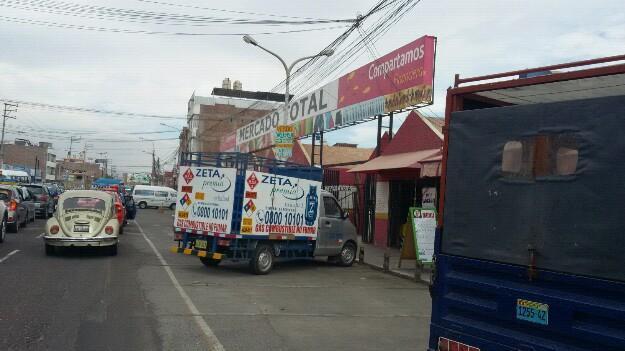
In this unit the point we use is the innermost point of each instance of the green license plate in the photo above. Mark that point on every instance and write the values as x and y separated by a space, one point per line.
201 244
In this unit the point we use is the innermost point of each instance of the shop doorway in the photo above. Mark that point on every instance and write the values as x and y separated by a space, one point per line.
402 196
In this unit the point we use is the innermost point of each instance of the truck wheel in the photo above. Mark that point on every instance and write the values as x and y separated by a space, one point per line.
348 255
172 207
210 262
143 205
262 259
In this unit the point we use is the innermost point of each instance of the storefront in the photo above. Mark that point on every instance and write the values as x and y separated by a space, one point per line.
405 174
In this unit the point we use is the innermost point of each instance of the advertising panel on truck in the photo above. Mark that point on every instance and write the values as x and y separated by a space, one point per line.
205 199
276 204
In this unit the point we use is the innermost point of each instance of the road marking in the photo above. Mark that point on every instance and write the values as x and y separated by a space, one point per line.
9 255
213 342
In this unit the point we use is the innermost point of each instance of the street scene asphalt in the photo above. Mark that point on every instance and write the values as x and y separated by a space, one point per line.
85 300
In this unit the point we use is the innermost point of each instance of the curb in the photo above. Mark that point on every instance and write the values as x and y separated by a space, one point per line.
395 273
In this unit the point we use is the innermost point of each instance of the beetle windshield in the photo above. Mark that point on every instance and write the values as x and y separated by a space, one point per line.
84 204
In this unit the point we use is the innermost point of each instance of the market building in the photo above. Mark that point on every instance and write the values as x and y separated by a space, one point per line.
405 174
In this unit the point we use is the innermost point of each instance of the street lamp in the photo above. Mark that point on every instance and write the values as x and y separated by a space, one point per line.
172 127
326 52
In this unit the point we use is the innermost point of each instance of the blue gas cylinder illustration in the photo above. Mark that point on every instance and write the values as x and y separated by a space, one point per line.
312 204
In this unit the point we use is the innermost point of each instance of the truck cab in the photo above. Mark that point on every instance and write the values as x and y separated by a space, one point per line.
335 230
530 237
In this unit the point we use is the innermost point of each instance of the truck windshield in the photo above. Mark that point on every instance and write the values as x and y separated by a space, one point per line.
544 189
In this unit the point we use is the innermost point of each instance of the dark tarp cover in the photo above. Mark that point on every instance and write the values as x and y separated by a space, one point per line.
574 221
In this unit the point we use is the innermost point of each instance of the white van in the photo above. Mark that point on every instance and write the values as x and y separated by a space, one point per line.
154 196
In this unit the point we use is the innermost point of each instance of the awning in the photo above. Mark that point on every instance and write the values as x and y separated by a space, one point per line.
411 160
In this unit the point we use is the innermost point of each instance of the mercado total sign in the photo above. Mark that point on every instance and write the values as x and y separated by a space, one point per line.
402 78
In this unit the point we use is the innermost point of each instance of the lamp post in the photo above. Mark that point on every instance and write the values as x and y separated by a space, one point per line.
172 127
287 68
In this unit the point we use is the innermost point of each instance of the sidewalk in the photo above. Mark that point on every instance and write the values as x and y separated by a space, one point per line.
374 257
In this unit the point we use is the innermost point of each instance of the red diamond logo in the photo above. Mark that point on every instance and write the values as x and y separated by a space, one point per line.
252 181
188 175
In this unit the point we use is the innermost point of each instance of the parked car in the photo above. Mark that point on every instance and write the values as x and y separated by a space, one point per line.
3 213
44 203
154 196
120 210
17 212
83 218
28 201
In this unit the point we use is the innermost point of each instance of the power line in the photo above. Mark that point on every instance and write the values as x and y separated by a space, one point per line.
42 105
147 32
161 18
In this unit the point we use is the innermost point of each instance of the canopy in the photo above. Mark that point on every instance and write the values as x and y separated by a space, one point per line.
411 160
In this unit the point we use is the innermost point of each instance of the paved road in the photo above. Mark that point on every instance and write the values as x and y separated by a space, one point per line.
82 300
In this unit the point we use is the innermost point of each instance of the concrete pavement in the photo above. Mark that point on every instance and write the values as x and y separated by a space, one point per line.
82 300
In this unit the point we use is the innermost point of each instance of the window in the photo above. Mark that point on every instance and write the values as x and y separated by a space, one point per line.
144 192
332 209
173 194
540 156
160 193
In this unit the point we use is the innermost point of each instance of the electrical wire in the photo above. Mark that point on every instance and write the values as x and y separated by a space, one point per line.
41 105
147 32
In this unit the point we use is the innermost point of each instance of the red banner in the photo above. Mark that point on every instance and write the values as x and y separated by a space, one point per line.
404 77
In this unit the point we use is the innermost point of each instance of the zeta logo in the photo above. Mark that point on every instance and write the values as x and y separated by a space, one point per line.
188 175
252 181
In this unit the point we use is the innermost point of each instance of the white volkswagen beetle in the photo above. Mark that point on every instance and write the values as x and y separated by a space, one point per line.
83 218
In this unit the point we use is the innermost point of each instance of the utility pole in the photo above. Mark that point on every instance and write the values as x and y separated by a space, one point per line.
72 139
5 115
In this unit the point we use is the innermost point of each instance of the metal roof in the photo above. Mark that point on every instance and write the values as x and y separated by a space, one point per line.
566 90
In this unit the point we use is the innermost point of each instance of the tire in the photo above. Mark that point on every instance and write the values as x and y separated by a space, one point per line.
348 255
121 230
15 227
3 229
262 260
172 207
112 250
49 250
143 205
210 262
26 220
32 219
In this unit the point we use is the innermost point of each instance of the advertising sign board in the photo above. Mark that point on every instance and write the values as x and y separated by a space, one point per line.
424 228
275 204
205 198
399 79
283 142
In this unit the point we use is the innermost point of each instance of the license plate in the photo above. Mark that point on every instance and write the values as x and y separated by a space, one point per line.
531 311
201 244
81 228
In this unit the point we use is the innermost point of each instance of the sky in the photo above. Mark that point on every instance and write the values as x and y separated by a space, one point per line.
156 74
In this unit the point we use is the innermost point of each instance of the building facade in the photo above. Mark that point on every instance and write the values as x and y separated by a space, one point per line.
211 118
75 173
38 160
